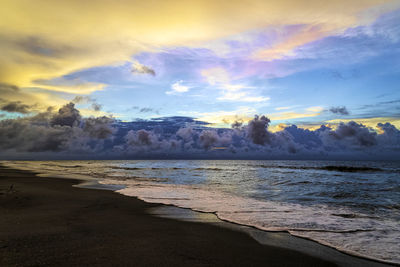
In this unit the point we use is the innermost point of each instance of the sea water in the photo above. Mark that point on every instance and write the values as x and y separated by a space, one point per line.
353 206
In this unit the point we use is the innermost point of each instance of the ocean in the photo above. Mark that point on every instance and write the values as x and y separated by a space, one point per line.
353 206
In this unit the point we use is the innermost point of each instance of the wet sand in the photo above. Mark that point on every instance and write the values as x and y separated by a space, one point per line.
48 222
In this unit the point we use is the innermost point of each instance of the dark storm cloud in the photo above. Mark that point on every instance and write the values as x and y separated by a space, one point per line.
8 87
146 142
99 127
68 115
304 137
32 135
14 99
350 135
187 134
65 131
16 107
140 138
388 129
208 138
389 138
339 110
257 130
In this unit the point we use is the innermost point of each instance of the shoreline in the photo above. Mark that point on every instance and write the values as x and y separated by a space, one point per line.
297 243
213 243
310 246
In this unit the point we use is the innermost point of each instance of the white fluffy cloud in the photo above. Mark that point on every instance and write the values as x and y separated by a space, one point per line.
177 88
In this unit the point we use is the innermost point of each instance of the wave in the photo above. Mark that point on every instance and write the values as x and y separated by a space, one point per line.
72 167
141 168
351 169
126 168
208 169
326 168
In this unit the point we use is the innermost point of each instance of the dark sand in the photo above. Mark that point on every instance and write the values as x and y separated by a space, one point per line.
48 222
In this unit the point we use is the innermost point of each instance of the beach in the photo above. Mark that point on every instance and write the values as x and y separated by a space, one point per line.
48 222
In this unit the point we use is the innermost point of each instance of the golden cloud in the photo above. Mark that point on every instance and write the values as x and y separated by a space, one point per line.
286 46
44 39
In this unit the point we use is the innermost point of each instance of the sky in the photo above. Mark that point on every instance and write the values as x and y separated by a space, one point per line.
304 63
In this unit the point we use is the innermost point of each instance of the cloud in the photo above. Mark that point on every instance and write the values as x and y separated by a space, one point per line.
16 106
90 112
8 87
99 128
220 79
308 139
389 137
303 35
257 130
350 135
81 99
148 110
256 139
144 109
241 97
208 138
37 100
96 106
237 124
226 118
65 133
388 129
339 110
68 115
144 141
315 109
177 88
142 69
87 99
369 122
216 75
71 86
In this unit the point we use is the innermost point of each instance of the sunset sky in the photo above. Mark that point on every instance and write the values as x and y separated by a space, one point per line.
298 62
212 60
